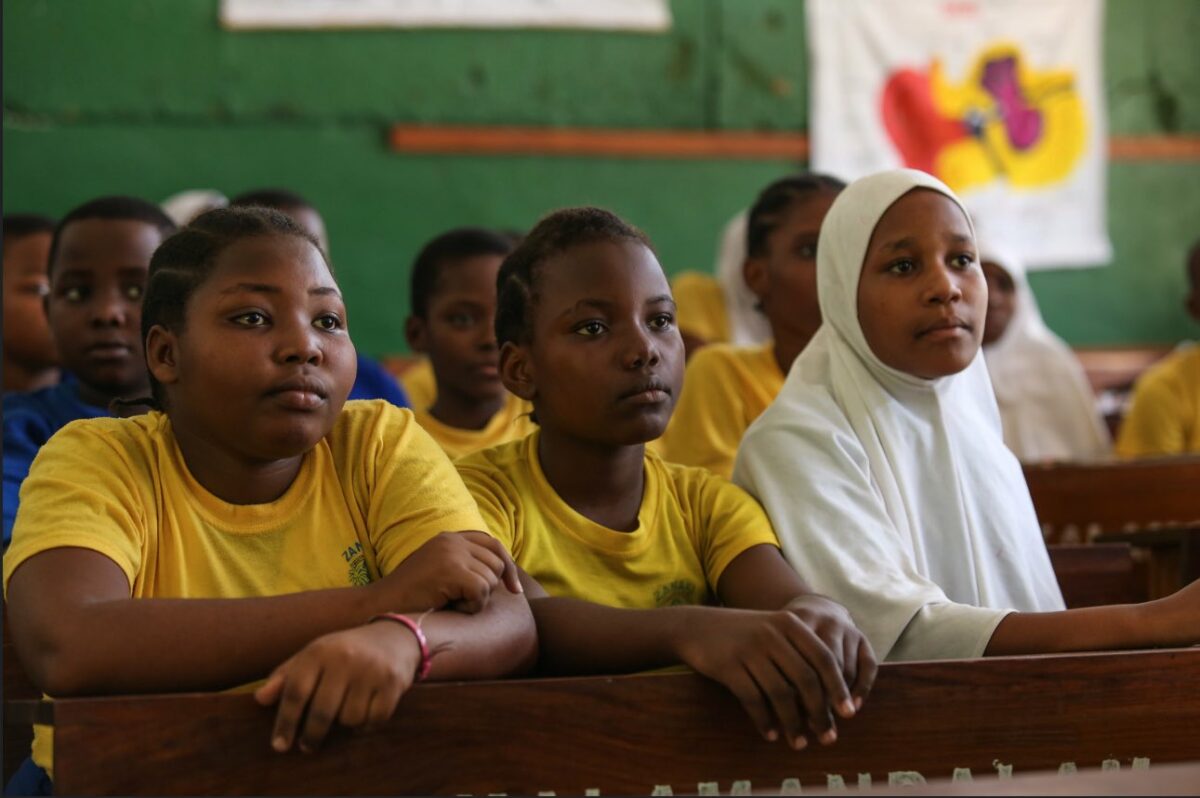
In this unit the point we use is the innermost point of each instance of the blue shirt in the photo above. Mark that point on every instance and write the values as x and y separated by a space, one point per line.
29 421
374 382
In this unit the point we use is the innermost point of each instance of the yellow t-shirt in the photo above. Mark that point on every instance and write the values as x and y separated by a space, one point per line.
510 423
367 496
420 384
1164 417
690 527
725 388
700 306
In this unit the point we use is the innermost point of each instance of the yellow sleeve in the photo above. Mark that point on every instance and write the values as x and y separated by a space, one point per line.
494 496
700 306
705 429
420 384
728 520
414 492
83 491
1154 424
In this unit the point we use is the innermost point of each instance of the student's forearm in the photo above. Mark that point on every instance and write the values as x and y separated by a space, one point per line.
580 637
500 641
1120 626
155 645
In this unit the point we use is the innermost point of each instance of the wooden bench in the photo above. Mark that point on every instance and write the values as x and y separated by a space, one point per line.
1077 502
1098 574
639 734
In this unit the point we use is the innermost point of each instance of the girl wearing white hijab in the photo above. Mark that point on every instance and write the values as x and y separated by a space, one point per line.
1047 408
881 463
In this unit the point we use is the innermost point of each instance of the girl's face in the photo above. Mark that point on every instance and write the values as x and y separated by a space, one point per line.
264 362
1001 302
605 363
26 331
922 295
784 278
458 332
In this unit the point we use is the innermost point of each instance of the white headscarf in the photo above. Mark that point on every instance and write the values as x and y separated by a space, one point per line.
187 205
892 494
1047 407
747 324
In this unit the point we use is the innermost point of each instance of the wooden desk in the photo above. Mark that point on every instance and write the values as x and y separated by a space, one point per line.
632 734
1174 551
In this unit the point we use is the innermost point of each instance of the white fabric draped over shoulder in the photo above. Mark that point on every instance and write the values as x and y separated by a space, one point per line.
892 494
747 324
1047 407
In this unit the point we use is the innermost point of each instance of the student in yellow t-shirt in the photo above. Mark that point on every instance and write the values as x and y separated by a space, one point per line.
728 386
1164 417
258 526
637 552
453 307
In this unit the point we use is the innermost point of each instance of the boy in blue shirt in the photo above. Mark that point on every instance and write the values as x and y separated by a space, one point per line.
98 261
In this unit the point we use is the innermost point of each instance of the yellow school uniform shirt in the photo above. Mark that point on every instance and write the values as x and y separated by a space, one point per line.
366 497
510 423
420 384
690 527
725 388
1164 417
700 306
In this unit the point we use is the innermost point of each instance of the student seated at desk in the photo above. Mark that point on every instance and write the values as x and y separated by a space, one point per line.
258 525
728 386
635 551
882 466
371 380
1047 408
98 259
1164 416
452 323
30 359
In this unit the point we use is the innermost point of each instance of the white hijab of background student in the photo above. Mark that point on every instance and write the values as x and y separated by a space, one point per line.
1047 407
747 324
892 494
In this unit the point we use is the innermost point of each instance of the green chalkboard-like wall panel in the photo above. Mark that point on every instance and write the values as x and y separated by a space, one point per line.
150 97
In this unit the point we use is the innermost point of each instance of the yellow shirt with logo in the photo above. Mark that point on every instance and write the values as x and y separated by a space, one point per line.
1164 417
690 527
366 497
725 388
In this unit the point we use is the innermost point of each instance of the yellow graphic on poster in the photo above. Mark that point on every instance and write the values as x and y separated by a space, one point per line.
1004 120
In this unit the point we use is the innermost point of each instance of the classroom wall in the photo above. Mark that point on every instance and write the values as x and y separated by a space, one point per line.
150 97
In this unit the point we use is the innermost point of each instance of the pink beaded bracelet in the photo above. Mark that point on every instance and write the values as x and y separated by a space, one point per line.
426 657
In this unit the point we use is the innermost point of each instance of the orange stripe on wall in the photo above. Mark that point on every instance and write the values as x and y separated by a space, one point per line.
660 144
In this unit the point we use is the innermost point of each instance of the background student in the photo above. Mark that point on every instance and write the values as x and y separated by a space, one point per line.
259 518
633 550
30 360
458 396
882 464
1047 408
98 259
1164 415
728 386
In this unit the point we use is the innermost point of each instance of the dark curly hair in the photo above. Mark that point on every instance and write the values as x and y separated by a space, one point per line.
453 245
516 285
768 210
116 208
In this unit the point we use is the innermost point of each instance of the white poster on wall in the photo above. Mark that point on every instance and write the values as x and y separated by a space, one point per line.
636 15
1001 99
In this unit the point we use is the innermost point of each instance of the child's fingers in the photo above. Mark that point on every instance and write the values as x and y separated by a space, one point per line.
503 565
868 667
323 709
298 686
355 707
782 698
268 692
383 704
746 691
821 660
809 693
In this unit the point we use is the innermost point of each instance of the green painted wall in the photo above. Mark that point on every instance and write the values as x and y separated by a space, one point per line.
150 97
